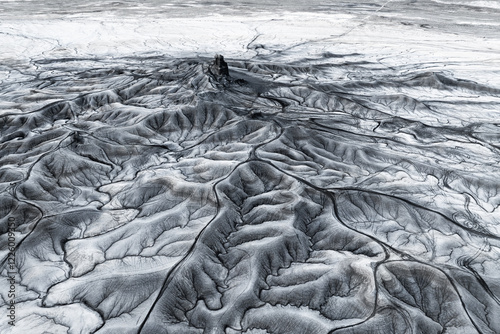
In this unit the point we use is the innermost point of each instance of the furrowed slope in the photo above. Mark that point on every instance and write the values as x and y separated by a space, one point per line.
155 195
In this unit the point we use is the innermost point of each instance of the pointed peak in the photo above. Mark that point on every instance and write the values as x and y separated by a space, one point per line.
219 66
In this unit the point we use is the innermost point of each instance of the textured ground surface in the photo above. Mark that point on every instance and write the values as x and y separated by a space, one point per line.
344 179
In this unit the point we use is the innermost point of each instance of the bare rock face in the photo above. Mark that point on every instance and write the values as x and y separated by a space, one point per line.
219 66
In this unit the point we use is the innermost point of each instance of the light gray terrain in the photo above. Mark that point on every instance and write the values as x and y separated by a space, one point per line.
353 189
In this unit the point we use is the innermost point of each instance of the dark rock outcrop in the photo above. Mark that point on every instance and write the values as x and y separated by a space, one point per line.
219 66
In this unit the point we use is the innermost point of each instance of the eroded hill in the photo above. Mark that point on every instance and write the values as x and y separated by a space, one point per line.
153 195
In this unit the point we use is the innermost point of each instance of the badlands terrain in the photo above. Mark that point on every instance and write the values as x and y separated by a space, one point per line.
342 177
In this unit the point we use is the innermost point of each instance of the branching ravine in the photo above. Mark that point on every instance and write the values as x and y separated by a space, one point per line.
176 267
333 193
207 202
